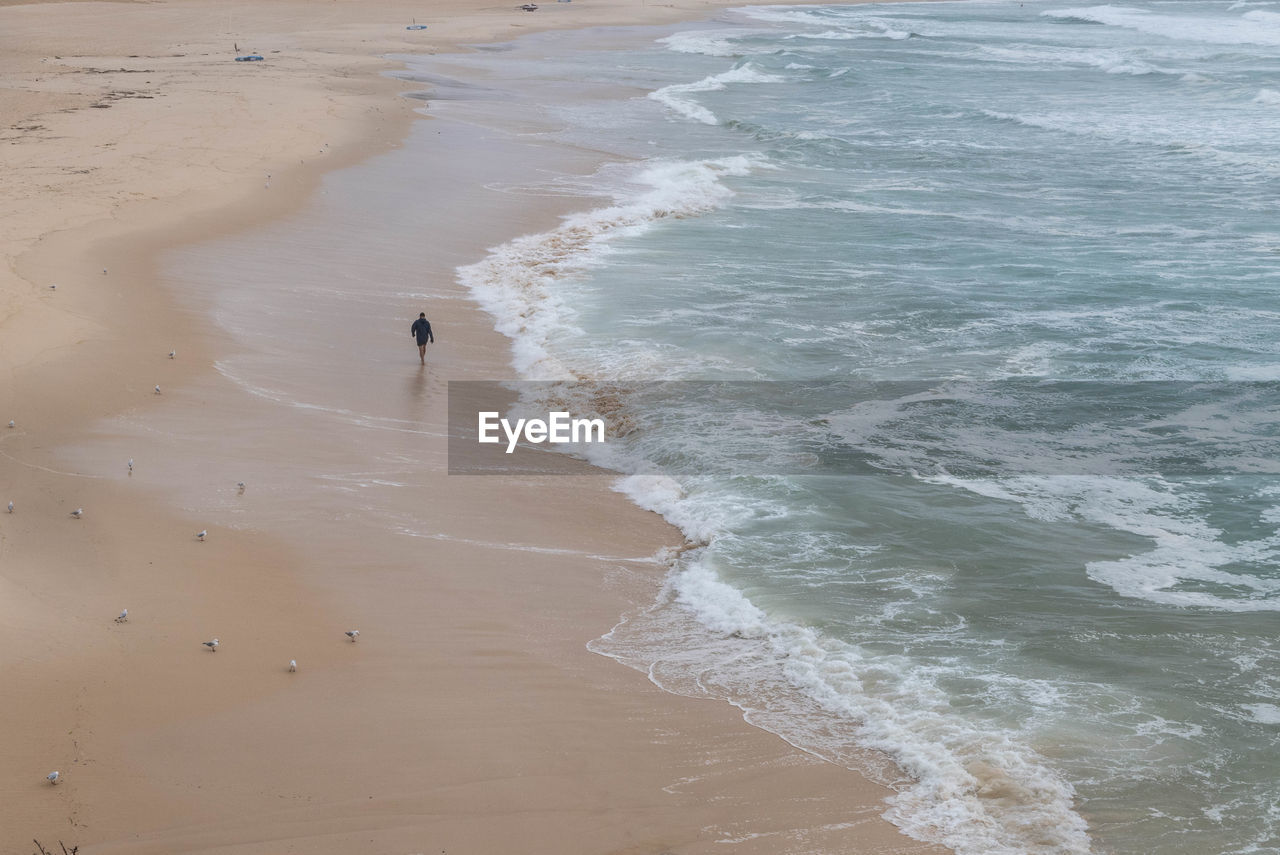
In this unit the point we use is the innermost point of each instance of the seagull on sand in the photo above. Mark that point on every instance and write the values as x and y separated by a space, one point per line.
201 535
172 354
78 513
124 617
293 665
157 388
240 486
11 423
53 777
11 507
131 464
353 634
212 645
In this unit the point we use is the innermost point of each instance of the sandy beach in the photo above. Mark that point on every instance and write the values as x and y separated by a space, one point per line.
470 715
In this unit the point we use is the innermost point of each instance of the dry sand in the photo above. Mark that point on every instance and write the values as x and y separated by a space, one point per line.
469 717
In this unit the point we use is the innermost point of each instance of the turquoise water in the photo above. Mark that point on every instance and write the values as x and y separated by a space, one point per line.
1031 553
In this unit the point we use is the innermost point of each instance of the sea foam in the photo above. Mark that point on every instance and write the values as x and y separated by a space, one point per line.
973 789
705 43
1184 565
1252 28
674 96
515 282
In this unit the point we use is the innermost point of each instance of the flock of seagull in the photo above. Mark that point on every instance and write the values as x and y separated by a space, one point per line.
212 645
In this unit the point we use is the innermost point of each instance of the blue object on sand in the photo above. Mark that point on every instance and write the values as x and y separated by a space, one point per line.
417 27
253 57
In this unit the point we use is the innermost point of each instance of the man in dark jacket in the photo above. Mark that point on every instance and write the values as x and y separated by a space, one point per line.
422 329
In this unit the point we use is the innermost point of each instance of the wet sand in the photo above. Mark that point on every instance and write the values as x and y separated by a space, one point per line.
179 200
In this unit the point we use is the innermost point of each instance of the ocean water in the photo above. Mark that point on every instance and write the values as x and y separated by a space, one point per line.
973 308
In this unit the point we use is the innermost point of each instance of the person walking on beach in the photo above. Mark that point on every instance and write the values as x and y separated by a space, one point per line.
422 329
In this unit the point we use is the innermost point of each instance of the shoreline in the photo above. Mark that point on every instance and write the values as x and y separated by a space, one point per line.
628 769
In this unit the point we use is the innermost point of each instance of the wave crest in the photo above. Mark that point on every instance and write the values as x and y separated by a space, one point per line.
514 281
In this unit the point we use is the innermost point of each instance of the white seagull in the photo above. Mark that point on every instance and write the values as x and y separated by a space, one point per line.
157 389
240 485
11 423
124 617
293 665
11 507
172 354
78 513
53 287
201 535
353 634
212 645
53 777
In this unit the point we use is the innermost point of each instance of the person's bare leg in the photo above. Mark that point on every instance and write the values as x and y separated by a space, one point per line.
422 354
